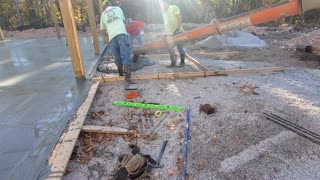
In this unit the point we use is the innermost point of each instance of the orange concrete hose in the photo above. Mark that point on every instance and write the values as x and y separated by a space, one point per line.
255 17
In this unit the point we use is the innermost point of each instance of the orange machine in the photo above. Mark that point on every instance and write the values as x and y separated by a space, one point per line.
255 17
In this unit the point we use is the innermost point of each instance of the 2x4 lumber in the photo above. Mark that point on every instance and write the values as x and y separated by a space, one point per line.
72 38
107 130
191 74
93 27
63 150
104 34
1 35
221 53
197 63
54 18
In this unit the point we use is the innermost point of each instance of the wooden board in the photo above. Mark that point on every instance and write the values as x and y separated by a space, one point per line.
54 18
72 38
62 152
191 74
104 34
106 130
1 35
219 53
197 63
93 27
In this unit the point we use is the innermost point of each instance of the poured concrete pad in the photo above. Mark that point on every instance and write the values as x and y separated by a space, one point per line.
38 95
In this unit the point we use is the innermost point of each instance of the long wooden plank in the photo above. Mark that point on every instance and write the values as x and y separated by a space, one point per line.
72 38
1 35
191 74
93 27
220 53
104 34
197 63
106 130
64 149
54 18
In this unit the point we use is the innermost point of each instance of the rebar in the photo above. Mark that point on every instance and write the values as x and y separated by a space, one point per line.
315 138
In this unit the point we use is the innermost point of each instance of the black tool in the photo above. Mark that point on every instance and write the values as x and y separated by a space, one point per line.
164 145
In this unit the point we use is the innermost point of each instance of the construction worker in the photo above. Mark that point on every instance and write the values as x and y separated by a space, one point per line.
113 21
173 26
135 31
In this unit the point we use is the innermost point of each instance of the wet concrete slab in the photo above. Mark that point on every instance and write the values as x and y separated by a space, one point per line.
38 95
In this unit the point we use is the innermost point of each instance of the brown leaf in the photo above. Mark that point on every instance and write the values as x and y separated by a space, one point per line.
172 172
151 137
202 163
181 134
179 164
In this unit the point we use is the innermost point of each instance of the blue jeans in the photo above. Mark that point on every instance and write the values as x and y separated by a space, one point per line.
121 49
180 49
138 37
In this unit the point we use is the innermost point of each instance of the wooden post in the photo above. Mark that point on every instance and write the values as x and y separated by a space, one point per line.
54 18
105 35
93 27
1 35
72 38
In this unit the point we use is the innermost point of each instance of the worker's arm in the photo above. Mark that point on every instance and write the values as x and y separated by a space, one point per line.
103 29
179 17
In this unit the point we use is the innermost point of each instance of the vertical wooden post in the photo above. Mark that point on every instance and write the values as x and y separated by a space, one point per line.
1 35
93 26
100 3
54 18
72 38
105 36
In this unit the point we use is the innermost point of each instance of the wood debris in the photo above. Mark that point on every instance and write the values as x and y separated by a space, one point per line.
96 115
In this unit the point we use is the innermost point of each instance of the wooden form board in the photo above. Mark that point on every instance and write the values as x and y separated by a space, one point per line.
1 35
62 152
191 74
106 130
72 38
197 63
220 53
93 27
104 34
54 18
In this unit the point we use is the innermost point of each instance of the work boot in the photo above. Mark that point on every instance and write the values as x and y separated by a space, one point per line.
173 58
127 72
120 69
182 58
135 57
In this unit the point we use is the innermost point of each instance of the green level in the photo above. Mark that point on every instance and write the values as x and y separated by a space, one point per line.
147 106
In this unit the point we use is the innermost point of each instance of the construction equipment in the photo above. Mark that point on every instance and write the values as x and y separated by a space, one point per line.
163 147
255 17
303 132
158 114
146 106
186 140
135 165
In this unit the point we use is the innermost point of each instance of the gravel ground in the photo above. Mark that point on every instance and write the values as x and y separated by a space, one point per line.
236 142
